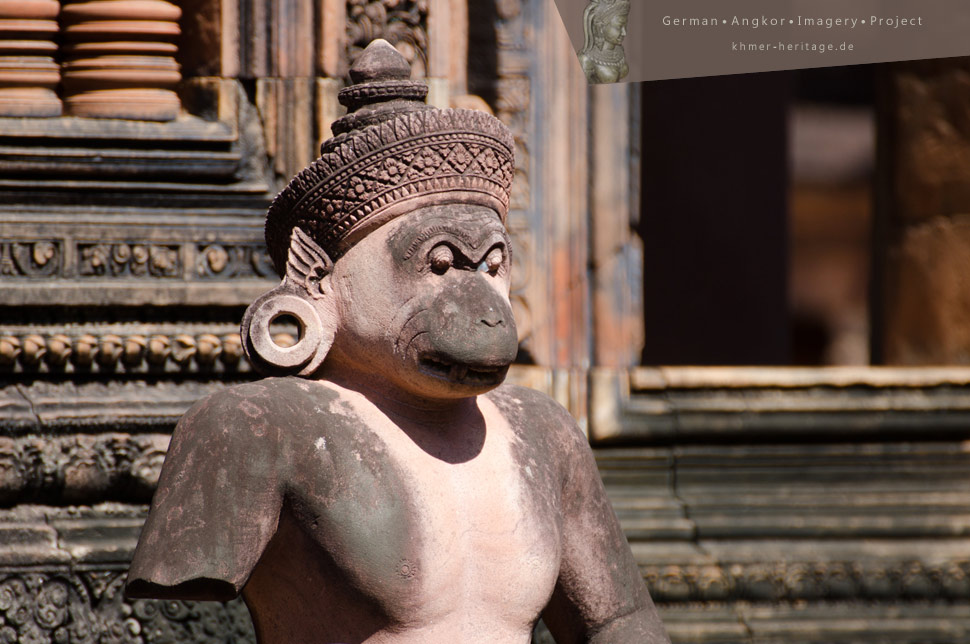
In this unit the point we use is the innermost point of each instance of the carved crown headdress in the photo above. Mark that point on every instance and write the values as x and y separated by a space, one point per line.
390 154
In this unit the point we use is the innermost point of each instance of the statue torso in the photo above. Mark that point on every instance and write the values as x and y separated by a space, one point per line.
600 72
388 535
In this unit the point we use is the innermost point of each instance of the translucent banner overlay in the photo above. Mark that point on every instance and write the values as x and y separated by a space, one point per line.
641 40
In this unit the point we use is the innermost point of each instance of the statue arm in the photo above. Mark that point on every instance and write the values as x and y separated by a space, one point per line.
600 596
217 503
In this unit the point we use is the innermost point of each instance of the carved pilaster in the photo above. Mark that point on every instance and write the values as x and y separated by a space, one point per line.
120 59
28 73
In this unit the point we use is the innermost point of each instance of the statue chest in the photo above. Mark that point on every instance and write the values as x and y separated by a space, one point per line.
424 538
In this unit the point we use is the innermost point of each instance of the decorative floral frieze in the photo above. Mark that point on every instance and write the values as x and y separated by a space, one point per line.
222 261
80 468
130 260
30 258
90 608
133 260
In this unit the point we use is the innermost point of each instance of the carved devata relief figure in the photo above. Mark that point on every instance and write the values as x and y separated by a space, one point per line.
384 485
604 28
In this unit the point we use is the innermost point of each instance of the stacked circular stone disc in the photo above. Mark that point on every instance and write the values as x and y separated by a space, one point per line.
28 73
119 59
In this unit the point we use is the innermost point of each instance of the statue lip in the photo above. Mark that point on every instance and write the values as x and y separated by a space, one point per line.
477 375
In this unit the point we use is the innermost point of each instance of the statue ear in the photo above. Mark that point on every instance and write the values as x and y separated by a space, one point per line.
306 282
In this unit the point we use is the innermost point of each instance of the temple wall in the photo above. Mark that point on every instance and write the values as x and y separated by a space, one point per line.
771 505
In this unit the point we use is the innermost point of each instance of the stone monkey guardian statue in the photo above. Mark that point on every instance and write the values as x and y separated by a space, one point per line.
386 486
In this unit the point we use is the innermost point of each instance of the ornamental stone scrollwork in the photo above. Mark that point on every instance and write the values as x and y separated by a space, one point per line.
80 468
223 261
130 260
89 608
30 258
403 23
793 582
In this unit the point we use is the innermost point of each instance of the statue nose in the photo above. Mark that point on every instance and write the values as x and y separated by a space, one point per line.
493 318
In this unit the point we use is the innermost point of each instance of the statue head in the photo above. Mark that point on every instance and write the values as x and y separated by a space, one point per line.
604 23
392 245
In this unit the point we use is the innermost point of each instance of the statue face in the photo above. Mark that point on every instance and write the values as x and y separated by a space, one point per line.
423 303
615 30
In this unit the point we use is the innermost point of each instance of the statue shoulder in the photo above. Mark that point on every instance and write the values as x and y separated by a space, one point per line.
533 412
265 410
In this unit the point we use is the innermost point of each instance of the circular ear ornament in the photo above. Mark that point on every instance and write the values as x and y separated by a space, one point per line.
269 357
306 267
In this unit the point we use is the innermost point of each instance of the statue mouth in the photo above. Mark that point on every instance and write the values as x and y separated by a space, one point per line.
478 375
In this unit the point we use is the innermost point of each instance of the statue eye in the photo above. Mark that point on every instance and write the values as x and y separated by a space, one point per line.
441 259
492 261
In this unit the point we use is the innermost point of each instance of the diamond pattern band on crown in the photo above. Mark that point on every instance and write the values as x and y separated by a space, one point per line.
363 175
437 162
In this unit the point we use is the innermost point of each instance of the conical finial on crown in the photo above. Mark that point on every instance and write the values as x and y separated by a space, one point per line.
380 61
390 155
382 88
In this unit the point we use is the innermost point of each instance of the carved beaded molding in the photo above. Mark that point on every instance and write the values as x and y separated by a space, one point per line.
112 352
